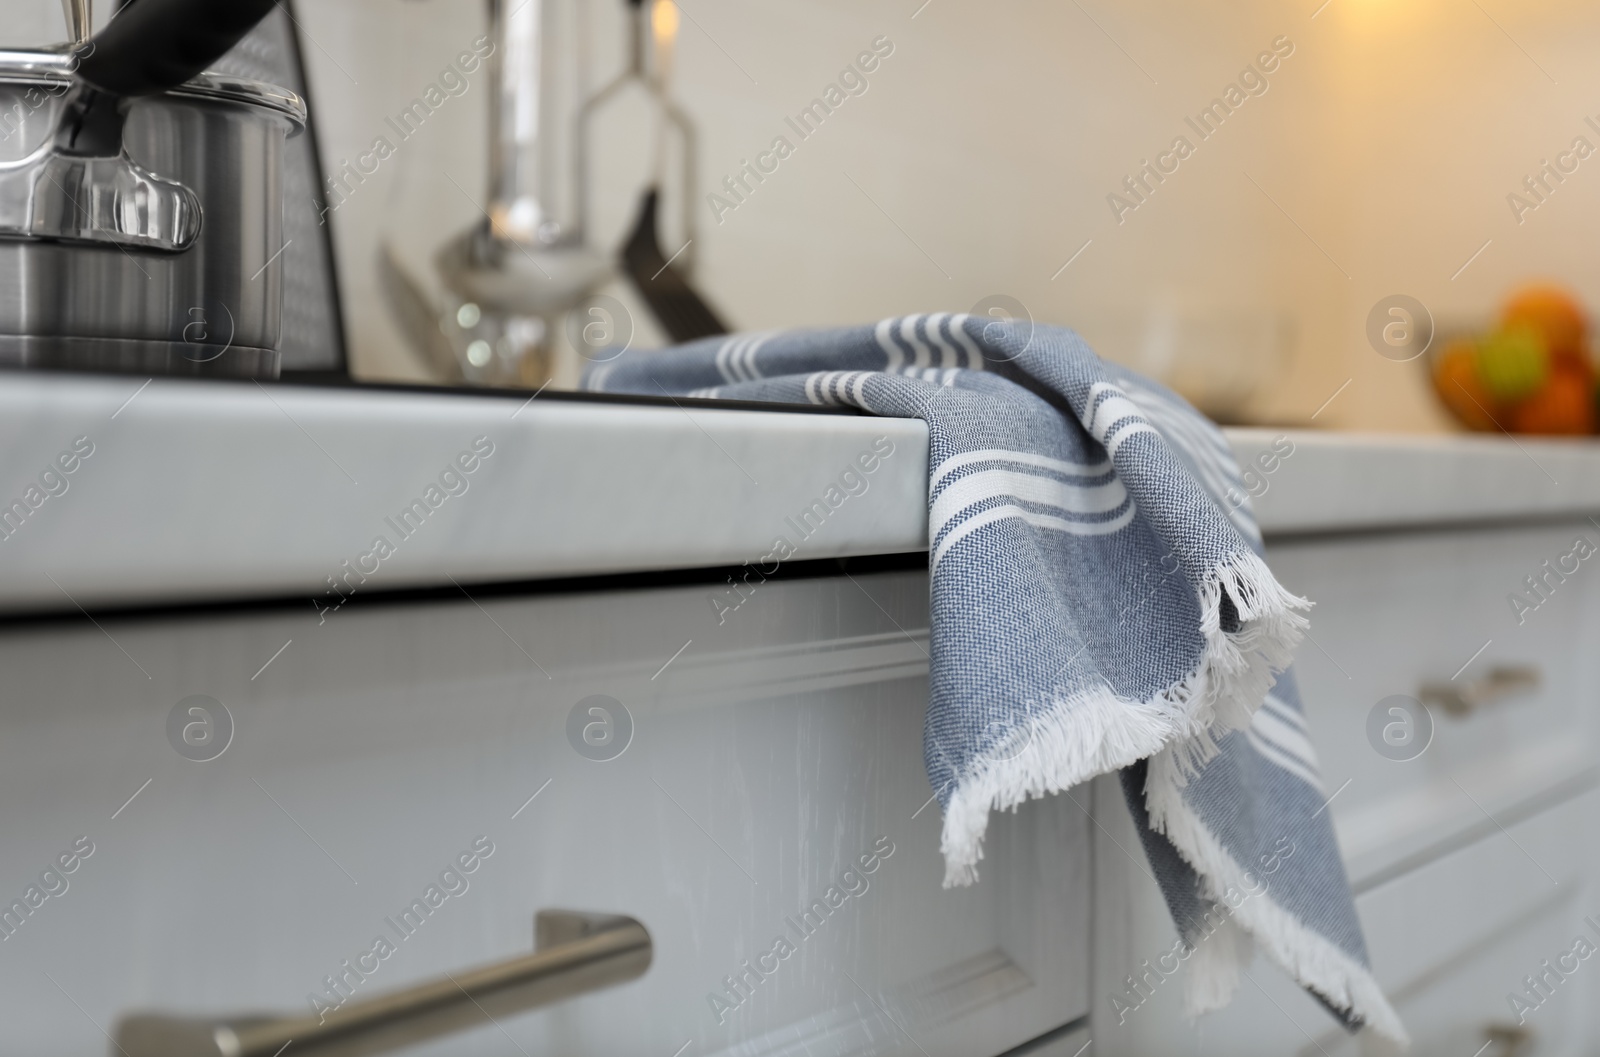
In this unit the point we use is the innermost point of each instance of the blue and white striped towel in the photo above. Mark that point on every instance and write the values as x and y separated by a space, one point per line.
1097 604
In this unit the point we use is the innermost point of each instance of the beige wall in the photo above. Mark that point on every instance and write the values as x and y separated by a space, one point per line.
992 136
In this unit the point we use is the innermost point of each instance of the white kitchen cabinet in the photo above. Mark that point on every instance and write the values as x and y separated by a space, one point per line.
1471 861
1396 612
1453 938
768 754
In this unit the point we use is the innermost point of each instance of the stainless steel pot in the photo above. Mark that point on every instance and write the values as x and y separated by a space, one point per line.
141 206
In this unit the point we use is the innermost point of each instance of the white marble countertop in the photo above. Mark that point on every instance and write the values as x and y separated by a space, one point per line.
211 490
1354 481
197 491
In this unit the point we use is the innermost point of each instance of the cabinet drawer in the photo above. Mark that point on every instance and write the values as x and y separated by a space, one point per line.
1449 942
1453 940
1396 612
768 754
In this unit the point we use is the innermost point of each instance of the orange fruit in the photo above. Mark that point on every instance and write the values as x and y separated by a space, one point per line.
1555 313
1455 377
1563 405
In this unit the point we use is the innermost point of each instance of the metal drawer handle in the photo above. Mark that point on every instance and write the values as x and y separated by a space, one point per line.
575 952
1465 698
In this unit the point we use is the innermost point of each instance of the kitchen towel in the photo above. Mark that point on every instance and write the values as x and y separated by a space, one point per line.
1099 602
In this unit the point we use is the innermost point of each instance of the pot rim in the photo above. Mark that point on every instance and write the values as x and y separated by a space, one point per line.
52 67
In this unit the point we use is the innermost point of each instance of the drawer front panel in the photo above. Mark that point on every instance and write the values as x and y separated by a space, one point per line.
1396 614
1449 941
1456 940
763 757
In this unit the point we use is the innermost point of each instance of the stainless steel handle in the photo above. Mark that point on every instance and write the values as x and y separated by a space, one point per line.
1466 698
83 186
79 15
575 952
113 201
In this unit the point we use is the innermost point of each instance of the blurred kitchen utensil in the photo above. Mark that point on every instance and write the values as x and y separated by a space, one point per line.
663 284
505 282
417 315
682 312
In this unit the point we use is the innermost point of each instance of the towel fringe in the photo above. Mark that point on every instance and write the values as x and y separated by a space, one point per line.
1092 733
1306 956
1084 736
1214 968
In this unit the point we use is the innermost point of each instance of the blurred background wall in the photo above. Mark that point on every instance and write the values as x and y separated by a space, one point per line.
1378 161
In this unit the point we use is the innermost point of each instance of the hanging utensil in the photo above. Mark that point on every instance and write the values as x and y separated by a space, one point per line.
505 282
661 280
683 313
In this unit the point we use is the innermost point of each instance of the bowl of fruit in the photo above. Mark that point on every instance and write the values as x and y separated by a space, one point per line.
1530 373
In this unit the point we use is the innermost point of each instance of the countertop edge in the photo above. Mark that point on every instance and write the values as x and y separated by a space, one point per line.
185 492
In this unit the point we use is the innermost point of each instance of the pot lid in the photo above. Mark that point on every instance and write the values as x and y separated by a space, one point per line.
48 66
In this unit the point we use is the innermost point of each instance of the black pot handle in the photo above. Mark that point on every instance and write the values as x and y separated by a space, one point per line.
154 45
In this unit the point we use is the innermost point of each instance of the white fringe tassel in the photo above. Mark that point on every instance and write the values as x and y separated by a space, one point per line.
1097 732
1305 955
1215 966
